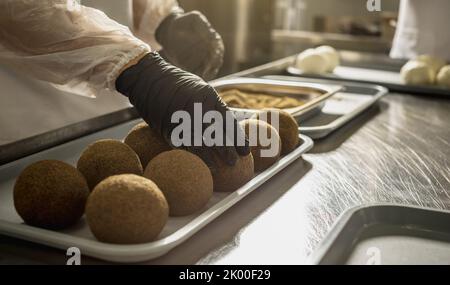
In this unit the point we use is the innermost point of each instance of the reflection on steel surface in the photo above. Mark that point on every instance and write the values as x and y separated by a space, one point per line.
399 155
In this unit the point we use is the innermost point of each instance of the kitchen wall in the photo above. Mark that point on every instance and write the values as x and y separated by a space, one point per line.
309 9
247 26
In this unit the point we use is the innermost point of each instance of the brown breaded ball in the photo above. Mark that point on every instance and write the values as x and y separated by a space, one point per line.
230 178
263 155
50 194
126 209
287 128
106 158
184 179
146 143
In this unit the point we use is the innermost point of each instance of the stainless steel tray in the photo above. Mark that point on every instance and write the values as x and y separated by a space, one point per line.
175 232
341 108
387 234
314 94
389 79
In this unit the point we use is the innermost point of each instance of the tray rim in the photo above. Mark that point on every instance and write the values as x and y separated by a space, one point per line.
319 132
326 244
147 251
327 90
402 88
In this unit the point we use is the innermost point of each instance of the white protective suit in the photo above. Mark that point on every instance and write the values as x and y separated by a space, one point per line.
422 29
76 48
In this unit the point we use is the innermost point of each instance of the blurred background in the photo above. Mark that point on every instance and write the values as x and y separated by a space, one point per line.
257 31
254 31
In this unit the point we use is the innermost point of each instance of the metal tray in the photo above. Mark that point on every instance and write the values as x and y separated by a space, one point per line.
22 148
340 109
175 232
314 94
387 234
389 79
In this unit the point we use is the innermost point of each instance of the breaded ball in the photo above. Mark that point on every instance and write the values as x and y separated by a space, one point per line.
230 178
106 158
146 143
50 194
287 128
265 143
126 209
184 179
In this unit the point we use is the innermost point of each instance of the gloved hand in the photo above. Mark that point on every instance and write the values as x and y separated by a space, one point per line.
190 42
158 89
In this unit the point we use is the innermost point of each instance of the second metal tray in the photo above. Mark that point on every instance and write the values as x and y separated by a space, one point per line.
387 78
176 231
340 108
313 94
387 234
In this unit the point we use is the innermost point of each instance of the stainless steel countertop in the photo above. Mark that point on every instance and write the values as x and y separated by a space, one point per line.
398 151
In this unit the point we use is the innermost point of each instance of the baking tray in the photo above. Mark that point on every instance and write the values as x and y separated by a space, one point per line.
387 78
314 94
339 109
22 148
387 234
176 231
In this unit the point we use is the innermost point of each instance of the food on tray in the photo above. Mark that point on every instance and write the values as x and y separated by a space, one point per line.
312 62
443 77
433 62
184 179
146 143
106 158
264 141
417 73
425 70
249 100
229 178
331 55
126 209
320 60
287 128
50 194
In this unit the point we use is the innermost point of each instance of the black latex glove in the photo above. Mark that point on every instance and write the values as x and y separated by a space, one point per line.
191 43
158 89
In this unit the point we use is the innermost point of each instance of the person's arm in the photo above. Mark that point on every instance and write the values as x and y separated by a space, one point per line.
148 15
186 40
78 49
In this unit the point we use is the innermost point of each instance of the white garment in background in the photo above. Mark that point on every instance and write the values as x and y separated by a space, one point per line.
77 48
423 28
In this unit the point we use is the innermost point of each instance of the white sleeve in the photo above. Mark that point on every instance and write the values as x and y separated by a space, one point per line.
76 48
148 16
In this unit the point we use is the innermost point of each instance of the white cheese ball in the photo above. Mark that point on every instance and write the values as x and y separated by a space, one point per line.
331 55
417 73
443 77
312 62
434 62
